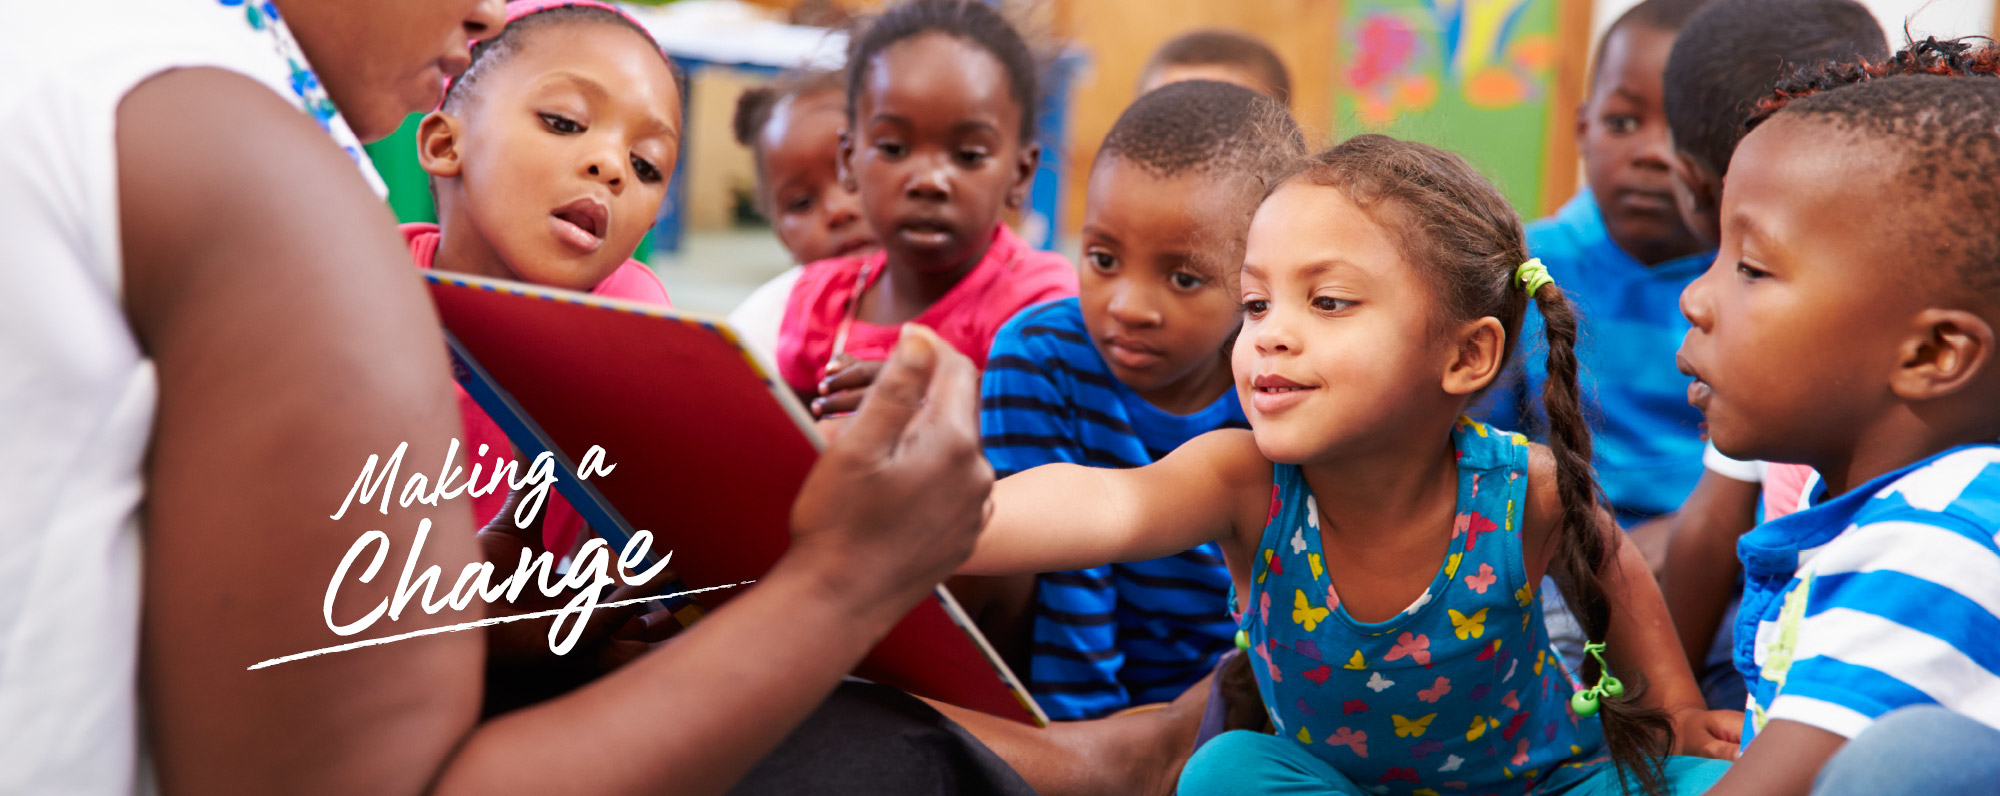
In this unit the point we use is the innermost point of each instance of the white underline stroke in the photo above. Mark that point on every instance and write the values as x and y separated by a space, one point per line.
355 645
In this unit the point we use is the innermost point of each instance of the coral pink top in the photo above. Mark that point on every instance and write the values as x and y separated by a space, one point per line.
632 281
1785 487
1009 278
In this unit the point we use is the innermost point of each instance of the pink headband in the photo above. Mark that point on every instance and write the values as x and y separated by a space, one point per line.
516 9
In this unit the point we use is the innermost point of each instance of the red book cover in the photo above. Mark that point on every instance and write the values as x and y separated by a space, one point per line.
710 449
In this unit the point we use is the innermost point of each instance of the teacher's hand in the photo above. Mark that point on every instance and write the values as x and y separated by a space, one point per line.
897 500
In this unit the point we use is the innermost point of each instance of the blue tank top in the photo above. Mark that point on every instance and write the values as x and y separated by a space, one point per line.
1458 693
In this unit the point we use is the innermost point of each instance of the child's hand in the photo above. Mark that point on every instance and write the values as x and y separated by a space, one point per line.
846 383
1708 733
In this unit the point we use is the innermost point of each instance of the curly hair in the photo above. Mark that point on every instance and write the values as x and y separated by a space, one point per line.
1936 106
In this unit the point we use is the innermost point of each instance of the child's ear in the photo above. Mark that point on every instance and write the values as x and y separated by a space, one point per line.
1582 120
1475 359
844 164
1024 175
1948 350
1698 195
437 144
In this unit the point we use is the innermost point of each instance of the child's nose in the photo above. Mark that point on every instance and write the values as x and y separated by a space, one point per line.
1654 150
931 181
485 19
1272 334
1131 307
1694 300
605 169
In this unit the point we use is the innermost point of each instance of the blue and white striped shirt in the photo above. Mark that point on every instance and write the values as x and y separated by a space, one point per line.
1108 637
1884 597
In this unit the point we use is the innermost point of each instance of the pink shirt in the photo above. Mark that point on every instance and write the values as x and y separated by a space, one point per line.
1785 487
632 281
1009 278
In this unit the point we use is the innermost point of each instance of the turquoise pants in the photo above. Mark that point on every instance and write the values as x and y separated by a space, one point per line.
1248 762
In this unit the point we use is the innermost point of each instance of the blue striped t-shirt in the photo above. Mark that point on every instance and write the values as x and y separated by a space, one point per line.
1108 637
1884 597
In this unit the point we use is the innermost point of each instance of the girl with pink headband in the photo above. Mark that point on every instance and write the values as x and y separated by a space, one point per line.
549 159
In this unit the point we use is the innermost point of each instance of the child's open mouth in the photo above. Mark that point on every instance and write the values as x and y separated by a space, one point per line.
927 234
581 224
1698 390
1272 393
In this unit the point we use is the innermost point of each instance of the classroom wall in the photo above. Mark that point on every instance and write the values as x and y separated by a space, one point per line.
1121 34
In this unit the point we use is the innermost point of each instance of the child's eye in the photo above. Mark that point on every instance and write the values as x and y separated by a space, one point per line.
1256 307
1621 124
971 157
1330 304
645 169
560 124
1750 272
893 149
799 205
1102 261
1184 280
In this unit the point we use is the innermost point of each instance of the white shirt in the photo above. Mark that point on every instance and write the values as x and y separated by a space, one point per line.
757 319
76 394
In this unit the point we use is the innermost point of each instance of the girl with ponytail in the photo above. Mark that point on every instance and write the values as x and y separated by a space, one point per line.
1385 550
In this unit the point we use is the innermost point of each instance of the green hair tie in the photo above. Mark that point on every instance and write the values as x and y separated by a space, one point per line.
1533 275
1585 703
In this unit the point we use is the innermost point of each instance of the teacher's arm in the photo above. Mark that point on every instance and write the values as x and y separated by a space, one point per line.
292 340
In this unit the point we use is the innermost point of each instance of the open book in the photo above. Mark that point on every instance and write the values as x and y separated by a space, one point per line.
710 449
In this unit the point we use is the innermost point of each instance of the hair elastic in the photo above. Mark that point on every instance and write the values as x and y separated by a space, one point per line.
1585 703
1533 275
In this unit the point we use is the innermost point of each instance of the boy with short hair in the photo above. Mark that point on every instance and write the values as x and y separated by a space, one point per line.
1222 55
1130 370
1849 325
1729 57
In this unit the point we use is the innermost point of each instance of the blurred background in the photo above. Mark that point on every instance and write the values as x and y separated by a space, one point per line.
1496 80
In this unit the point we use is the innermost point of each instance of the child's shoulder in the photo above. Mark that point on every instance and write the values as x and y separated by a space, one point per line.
1542 514
1562 239
633 281
823 281
1050 324
1957 494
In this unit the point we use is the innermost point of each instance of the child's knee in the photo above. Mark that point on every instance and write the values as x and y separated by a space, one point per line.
1240 761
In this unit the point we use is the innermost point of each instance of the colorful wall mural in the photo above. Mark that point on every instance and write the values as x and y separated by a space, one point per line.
1473 76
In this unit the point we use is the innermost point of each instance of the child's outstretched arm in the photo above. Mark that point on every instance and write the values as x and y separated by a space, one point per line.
1065 516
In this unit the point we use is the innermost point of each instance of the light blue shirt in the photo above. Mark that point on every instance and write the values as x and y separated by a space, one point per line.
1646 438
